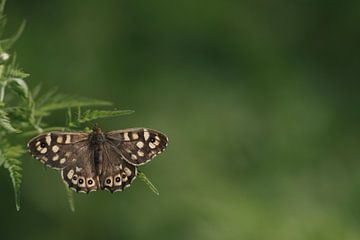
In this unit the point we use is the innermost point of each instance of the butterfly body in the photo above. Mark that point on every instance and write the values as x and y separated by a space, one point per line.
98 160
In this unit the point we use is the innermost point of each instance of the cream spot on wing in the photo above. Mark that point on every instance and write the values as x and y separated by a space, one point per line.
37 143
81 182
55 158
126 136
121 166
90 182
140 153
67 154
63 160
157 143
78 169
55 148
39 148
70 174
151 145
124 177
108 182
68 139
133 157
146 135
135 136
44 150
127 171
44 158
157 138
117 180
48 139
59 139
74 179
140 144
128 150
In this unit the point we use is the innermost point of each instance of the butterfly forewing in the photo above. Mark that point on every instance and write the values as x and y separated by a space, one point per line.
57 149
138 145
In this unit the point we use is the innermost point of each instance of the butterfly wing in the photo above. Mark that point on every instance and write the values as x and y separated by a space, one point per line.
138 145
115 173
70 152
57 149
81 174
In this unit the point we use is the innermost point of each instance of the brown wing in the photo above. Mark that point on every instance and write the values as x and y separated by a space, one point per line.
80 175
115 173
57 149
138 145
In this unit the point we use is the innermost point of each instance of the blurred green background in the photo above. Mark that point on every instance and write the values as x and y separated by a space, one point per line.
260 100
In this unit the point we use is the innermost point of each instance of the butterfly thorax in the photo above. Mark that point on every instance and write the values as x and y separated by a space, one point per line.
96 137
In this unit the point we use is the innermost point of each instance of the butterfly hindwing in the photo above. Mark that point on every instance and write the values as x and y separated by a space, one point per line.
115 173
57 149
81 175
138 145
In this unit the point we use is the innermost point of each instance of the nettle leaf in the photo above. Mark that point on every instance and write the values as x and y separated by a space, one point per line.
13 164
63 102
18 114
18 73
91 115
5 122
19 86
5 44
14 167
14 151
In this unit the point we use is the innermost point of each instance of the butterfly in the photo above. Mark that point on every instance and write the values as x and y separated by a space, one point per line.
98 160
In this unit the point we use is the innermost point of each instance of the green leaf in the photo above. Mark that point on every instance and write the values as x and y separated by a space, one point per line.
49 129
70 197
62 102
18 73
14 151
2 158
2 6
5 44
19 86
11 162
91 115
14 167
5 122
152 187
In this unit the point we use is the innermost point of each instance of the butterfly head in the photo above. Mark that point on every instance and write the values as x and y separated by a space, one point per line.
97 136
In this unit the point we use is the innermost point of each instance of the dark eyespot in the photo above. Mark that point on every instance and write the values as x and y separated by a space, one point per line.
74 178
123 175
152 140
42 144
90 182
108 181
81 181
117 179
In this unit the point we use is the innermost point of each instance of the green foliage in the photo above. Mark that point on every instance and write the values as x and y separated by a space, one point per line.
22 112
10 158
152 187
92 115
70 196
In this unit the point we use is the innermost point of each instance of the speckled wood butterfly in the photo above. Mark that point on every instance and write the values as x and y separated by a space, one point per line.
98 160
